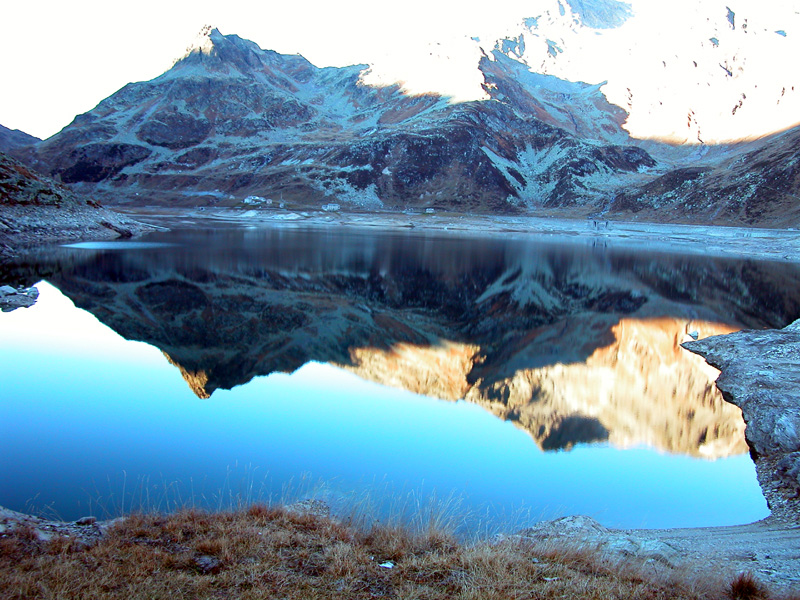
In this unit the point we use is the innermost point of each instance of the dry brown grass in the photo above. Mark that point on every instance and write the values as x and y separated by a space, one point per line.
271 552
745 587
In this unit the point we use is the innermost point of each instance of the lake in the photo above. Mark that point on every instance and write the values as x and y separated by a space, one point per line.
514 379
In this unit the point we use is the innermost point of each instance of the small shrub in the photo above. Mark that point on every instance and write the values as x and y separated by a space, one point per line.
745 587
26 533
209 546
263 513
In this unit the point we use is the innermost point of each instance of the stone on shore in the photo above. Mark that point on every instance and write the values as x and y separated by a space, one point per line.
614 545
761 375
13 298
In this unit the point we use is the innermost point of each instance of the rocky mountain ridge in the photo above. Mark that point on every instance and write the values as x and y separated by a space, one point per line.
231 120
14 139
691 72
234 125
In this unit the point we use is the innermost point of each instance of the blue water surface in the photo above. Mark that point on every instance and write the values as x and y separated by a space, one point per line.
94 423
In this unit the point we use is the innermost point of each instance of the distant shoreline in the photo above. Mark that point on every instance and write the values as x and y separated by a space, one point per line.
729 241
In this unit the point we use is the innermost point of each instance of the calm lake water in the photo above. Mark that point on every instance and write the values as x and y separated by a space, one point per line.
521 377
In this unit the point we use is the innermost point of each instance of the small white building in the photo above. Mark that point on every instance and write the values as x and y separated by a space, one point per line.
332 207
429 211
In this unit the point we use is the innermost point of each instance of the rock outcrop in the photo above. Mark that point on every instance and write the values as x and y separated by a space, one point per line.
13 298
761 375
34 208
584 534
13 139
86 530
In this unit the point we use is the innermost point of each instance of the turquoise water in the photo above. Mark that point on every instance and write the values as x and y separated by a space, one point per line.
95 423
87 413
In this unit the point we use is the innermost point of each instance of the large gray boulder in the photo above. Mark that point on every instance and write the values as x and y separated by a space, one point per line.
760 373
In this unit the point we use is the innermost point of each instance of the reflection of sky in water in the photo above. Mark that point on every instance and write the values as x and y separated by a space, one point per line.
81 405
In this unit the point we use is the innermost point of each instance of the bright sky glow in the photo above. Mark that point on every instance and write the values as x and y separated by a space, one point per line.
62 58
70 331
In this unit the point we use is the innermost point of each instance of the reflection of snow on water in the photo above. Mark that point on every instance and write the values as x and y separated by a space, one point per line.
118 245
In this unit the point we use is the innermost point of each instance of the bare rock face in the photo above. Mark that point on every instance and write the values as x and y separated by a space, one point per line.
95 162
579 108
34 208
612 545
12 298
761 375
756 183
14 139
86 530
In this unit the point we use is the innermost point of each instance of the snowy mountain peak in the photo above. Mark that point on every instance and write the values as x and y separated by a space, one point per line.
231 121
203 43
225 51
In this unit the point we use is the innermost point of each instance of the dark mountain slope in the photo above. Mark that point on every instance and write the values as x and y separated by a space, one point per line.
231 120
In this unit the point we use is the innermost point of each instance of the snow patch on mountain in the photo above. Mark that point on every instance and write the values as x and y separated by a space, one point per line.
507 168
686 71
202 44
354 197
246 121
447 67
601 14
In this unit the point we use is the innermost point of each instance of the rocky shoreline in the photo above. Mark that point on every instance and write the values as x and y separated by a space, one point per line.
35 209
781 245
23 227
760 373
13 298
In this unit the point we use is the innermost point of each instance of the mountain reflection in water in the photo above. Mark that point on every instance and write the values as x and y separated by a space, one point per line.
572 343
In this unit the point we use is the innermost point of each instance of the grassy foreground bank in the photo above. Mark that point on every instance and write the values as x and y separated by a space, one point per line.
275 552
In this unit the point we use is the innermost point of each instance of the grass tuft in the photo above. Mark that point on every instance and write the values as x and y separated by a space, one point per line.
746 587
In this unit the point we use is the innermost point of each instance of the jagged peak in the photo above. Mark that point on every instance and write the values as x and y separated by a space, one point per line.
202 43
232 51
211 42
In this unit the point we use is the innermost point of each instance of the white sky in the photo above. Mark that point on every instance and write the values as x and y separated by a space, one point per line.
61 58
